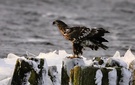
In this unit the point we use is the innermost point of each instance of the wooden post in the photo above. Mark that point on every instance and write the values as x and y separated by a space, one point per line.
53 74
77 75
86 75
67 65
132 68
133 76
83 75
30 71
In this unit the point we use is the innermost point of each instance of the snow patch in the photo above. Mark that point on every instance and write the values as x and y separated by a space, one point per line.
112 76
70 63
126 77
128 57
117 54
98 78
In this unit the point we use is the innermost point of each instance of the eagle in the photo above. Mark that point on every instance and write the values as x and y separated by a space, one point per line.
82 37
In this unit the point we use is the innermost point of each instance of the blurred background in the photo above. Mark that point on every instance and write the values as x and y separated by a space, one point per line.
26 25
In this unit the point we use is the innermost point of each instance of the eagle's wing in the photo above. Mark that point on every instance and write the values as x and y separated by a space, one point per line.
88 37
95 38
76 33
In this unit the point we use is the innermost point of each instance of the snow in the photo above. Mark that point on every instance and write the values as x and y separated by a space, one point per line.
54 74
126 77
112 77
70 63
117 54
55 59
98 77
128 57
116 62
6 68
7 65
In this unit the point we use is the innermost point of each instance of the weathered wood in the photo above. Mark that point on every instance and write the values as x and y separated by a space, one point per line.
21 73
64 77
105 80
133 76
86 75
132 68
53 74
105 72
119 76
77 75
67 65
71 77
29 71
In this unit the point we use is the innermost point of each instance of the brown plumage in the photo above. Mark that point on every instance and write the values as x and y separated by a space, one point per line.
82 36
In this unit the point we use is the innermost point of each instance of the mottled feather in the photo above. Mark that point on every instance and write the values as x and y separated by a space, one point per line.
82 36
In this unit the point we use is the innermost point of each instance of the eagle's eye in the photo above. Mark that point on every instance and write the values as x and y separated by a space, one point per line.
54 23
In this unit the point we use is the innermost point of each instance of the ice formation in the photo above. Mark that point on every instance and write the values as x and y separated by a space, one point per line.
55 59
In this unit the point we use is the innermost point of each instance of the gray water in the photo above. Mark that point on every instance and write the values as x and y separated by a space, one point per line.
26 25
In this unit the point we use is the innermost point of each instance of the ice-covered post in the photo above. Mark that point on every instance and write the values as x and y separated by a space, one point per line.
67 65
53 74
31 71
84 75
88 75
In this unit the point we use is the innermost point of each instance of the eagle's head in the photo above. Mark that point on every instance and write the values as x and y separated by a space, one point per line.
56 22
59 23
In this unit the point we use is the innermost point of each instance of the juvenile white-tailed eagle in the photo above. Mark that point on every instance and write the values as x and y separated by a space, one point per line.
82 36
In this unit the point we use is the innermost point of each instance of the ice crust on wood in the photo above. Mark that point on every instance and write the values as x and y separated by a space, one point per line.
56 58
30 71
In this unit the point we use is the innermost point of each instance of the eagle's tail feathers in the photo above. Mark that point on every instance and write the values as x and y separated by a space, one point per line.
103 46
101 32
100 39
97 46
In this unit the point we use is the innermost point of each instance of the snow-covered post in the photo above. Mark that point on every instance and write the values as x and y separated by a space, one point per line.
53 74
75 75
30 71
133 77
67 65
85 75
132 68
109 76
88 75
